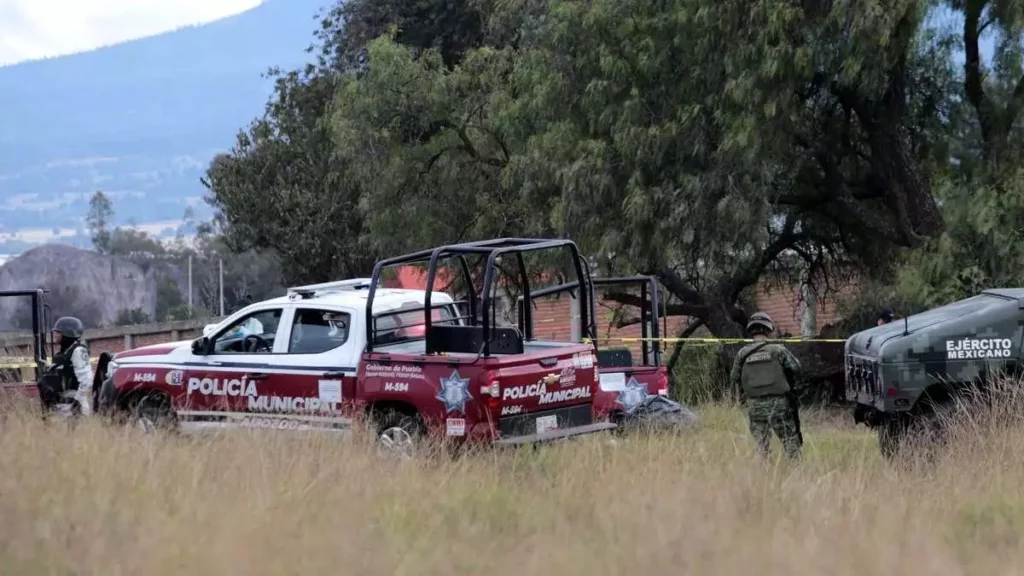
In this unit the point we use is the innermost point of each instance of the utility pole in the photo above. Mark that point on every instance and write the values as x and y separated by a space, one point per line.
220 262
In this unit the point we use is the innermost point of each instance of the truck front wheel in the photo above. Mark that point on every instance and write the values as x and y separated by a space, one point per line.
891 434
926 429
150 413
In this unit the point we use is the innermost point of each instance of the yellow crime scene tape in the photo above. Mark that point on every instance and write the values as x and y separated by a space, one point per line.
27 367
17 362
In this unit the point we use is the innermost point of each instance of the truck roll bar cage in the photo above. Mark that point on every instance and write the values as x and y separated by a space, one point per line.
464 338
649 309
39 318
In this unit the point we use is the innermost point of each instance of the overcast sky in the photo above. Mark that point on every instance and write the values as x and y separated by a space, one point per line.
31 29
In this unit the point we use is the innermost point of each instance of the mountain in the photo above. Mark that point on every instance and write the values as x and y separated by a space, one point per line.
139 120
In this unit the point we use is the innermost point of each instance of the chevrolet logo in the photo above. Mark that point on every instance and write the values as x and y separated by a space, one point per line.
550 378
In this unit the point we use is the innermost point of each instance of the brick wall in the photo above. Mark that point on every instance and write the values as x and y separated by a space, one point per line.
784 306
552 321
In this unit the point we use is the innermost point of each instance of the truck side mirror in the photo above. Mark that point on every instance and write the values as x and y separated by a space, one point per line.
200 345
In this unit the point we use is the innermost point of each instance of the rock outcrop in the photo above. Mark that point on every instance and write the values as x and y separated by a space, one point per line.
86 284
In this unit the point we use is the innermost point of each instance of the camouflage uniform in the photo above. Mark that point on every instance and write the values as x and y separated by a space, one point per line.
774 413
764 371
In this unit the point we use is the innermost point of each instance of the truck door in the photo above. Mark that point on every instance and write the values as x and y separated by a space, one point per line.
236 371
312 379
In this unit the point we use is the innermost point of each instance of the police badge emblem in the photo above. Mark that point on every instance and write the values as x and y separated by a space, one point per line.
454 393
174 378
632 395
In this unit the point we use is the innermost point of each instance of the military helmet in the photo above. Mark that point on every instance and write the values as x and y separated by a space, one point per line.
69 326
760 320
886 314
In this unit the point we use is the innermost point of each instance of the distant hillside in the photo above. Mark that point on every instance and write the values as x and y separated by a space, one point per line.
139 120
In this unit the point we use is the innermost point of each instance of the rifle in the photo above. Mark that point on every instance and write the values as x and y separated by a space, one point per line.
794 406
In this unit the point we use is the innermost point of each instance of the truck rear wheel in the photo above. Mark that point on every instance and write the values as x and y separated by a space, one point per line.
398 432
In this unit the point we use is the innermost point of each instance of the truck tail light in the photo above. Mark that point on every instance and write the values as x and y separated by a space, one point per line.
662 384
493 393
493 389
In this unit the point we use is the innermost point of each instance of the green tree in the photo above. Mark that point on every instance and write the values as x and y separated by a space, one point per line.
425 144
245 274
996 91
168 297
132 317
101 211
452 27
981 190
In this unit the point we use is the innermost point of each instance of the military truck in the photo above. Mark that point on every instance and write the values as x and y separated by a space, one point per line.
903 376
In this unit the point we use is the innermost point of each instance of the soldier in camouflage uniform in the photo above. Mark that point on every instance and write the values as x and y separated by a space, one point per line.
765 372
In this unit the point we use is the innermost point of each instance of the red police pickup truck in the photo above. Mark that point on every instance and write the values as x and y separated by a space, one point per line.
415 362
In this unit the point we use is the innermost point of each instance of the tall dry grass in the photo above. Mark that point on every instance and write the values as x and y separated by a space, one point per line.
111 501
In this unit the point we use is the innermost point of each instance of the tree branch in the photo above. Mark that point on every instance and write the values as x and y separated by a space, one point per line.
752 273
676 285
501 143
973 81
469 148
433 160
695 310
848 99
1015 104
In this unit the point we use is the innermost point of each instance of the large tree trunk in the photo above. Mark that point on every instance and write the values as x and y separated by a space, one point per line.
721 320
809 317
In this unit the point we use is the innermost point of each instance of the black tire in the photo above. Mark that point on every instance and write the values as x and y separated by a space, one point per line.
891 435
398 432
151 413
925 430
623 426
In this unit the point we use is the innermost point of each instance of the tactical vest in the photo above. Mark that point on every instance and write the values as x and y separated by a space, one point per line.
762 373
69 380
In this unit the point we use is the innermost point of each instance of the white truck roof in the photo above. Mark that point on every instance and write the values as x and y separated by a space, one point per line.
384 299
351 294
